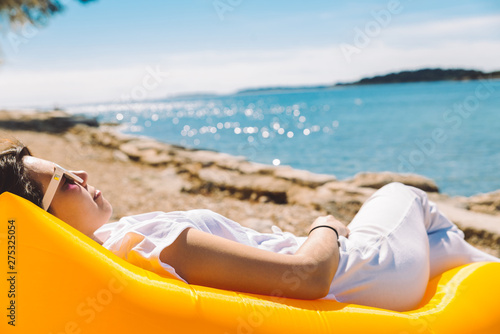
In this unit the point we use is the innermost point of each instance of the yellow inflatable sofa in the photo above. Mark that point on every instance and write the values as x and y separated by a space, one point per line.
58 281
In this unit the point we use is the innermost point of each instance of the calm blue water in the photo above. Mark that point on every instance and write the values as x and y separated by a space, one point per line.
447 131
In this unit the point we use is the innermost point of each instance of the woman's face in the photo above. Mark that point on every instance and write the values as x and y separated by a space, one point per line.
79 205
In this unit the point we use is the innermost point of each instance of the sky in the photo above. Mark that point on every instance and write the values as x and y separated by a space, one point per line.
122 50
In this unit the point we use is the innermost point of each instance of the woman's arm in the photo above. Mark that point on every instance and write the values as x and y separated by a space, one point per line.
204 259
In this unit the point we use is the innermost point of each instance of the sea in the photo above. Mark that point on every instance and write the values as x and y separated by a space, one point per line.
448 131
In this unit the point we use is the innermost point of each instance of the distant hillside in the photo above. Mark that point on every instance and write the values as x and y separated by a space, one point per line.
423 75
427 74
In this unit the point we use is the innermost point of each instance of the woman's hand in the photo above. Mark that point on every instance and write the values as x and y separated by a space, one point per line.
331 221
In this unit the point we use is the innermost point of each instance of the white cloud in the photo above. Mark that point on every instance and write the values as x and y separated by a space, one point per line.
59 87
380 58
483 27
220 72
459 30
227 71
434 44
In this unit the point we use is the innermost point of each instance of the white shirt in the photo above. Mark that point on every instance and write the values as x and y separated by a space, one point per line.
140 239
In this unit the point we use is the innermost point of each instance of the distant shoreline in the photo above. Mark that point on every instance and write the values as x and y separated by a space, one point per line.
422 75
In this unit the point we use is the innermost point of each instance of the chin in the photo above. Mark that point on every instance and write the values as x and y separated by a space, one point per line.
110 212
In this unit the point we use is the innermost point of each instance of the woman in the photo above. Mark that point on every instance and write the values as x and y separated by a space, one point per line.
394 245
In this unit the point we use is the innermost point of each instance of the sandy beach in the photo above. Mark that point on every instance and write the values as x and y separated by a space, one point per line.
140 175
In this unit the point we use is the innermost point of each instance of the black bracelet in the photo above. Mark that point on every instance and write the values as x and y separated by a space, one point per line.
337 233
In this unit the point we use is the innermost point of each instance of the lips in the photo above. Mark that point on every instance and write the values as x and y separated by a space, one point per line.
97 193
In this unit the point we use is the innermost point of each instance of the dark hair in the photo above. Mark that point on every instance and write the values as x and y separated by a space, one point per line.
14 177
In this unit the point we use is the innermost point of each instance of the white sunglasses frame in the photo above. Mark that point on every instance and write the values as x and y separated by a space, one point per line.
59 174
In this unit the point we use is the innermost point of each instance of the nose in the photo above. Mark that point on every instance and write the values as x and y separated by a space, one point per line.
83 175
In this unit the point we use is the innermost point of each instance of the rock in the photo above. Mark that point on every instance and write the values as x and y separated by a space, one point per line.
346 189
136 149
150 152
378 180
227 161
256 168
303 177
131 150
204 158
486 203
479 228
208 158
301 195
245 185
120 156
54 121
108 137
340 199
222 160
119 137
153 158
101 136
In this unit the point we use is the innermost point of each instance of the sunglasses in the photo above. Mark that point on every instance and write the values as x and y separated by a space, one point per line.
59 174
